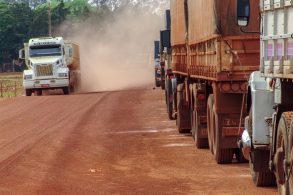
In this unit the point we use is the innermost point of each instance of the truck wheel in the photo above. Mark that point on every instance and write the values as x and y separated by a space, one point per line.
210 123
28 92
239 156
66 90
196 127
39 92
183 113
262 178
222 155
163 79
282 148
290 155
169 99
157 82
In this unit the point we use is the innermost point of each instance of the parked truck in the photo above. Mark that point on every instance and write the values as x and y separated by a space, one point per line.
165 48
268 136
53 63
211 62
157 63
165 59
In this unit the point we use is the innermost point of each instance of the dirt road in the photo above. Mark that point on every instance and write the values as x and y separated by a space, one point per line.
106 143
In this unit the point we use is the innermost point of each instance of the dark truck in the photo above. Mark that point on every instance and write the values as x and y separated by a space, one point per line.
157 63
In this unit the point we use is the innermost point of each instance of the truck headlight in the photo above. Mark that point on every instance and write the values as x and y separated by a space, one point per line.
62 75
28 77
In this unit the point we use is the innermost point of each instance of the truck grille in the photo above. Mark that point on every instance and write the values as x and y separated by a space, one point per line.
44 70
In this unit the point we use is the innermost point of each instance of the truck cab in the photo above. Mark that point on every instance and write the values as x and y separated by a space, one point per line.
48 62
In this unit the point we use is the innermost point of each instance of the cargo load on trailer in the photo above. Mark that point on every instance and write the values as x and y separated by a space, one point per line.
53 63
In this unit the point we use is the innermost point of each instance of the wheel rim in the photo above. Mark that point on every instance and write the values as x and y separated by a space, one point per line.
282 154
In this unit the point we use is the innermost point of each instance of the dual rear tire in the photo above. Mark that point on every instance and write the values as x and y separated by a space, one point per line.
222 155
183 115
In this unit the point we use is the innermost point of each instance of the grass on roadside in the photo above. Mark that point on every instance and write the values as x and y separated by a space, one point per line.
10 85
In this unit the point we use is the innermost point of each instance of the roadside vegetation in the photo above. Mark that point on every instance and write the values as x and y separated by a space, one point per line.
23 19
10 85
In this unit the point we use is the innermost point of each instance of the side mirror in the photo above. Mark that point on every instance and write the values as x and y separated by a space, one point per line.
21 54
243 12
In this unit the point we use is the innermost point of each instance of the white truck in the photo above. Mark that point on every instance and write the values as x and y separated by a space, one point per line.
53 63
268 138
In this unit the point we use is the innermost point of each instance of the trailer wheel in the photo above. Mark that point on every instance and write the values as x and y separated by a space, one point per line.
157 82
183 113
66 90
261 179
290 156
169 99
222 155
39 92
210 124
196 127
28 92
239 156
281 156
163 79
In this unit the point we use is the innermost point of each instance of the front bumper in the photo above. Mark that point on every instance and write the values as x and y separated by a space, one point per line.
45 84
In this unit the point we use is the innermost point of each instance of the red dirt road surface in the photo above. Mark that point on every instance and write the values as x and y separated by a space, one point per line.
106 143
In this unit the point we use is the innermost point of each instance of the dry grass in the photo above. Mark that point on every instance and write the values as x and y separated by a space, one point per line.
11 85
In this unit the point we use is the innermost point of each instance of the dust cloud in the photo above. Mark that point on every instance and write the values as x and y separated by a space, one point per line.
118 53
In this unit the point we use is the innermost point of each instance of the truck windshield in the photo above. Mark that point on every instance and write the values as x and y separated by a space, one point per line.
45 50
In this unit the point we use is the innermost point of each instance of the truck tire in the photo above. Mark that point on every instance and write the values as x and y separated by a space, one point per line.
261 179
222 155
239 156
38 92
210 123
163 79
169 99
290 155
158 83
28 92
196 127
66 90
282 149
182 113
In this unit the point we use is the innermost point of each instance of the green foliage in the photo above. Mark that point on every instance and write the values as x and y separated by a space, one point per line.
23 19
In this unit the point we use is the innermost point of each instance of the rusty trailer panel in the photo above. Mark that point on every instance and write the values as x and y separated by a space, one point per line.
178 27
217 49
179 59
225 59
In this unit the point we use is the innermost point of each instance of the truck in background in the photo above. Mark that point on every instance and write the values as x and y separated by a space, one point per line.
157 63
211 63
165 49
268 137
165 59
52 63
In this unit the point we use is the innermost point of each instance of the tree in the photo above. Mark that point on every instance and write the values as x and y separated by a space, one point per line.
14 28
